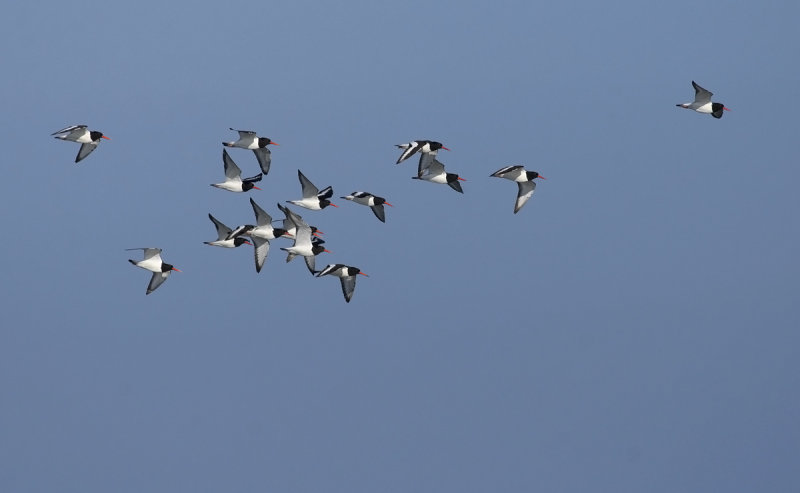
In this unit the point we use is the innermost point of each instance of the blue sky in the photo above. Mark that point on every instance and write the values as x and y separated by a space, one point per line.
633 328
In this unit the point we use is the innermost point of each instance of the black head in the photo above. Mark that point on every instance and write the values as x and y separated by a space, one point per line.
165 267
317 249
95 135
323 203
352 271
451 177
264 142
531 175
717 109
379 200
278 232
249 185
435 146
239 241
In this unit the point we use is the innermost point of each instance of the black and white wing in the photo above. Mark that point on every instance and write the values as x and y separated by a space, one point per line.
244 133
223 231
260 249
379 212
309 190
70 129
264 157
326 192
85 150
262 218
253 179
348 287
503 171
425 161
232 171
408 150
157 280
434 168
526 189
701 96
456 185
239 231
148 252
311 262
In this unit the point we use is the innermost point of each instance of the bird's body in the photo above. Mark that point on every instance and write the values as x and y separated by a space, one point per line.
523 178
313 198
89 139
372 201
249 140
152 262
435 173
233 177
347 276
702 103
429 147
224 238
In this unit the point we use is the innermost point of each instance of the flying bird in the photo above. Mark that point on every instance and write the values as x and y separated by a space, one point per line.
373 201
523 178
152 262
347 276
260 233
303 243
702 102
233 177
89 139
249 140
288 223
429 147
435 173
224 239
312 198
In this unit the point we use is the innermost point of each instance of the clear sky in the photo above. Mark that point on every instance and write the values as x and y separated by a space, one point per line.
634 328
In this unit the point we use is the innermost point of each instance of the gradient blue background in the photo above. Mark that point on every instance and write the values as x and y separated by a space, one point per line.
634 328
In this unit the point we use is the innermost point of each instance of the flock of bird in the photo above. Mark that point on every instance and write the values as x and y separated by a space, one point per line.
306 240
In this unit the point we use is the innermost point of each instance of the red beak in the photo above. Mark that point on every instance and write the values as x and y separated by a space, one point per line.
104 137
726 109
363 274
177 270
445 148
387 203
461 179
274 143
542 177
